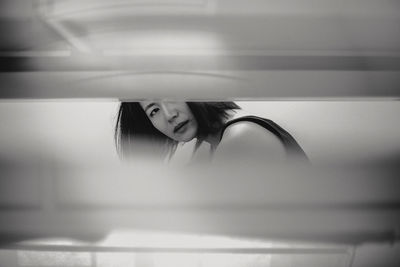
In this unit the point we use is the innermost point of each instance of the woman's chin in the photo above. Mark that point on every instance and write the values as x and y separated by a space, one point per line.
186 139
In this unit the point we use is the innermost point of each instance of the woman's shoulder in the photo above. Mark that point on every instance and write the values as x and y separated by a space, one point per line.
248 126
242 128
248 134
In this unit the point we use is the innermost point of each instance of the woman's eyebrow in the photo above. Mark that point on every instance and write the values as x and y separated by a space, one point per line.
149 106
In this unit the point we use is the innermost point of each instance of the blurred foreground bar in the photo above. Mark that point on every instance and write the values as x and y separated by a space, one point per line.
200 50
204 85
347 205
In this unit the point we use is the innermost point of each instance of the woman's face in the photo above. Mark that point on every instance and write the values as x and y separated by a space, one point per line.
174 119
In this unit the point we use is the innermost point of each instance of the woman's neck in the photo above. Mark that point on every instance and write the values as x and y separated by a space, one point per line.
213 139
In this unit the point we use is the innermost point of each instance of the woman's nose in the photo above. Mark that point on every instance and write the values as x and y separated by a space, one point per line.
169 111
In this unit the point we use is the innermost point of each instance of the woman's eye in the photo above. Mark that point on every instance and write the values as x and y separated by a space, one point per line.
153 112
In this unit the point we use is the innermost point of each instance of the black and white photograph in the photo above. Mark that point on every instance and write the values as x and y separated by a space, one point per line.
204 133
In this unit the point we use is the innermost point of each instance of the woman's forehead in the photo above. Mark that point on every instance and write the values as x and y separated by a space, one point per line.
147 102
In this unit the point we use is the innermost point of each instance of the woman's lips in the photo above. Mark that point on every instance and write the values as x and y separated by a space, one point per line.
180 126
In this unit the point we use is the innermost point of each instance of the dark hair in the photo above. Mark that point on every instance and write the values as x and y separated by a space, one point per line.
134 127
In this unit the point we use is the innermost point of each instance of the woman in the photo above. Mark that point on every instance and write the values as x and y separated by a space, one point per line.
156 127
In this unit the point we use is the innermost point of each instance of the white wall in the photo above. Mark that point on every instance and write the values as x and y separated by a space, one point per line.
329 131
